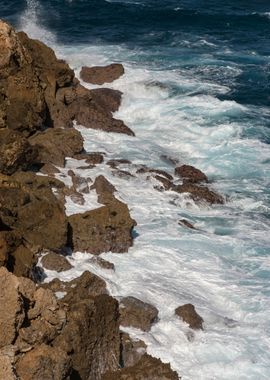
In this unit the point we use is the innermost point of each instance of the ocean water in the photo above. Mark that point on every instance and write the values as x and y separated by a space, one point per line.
196 89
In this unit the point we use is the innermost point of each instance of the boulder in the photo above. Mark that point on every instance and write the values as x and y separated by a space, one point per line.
138 314
107 98
108 228
104 189
15 152
44 362
190 174
131 350
55 261
79 184
29 207
199 193
102 263
22 105
102 74
189 315
92 114
114 163
54 145
83 287
147 368
91 336
93 158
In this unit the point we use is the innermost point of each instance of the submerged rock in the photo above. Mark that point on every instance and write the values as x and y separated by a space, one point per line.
131 350
102 74
138 314
55 261
189 315
199 193
190 174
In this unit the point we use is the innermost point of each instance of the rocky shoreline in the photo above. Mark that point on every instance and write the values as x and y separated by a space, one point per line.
69 330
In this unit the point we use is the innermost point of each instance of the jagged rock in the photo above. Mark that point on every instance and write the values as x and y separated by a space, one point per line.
15 152
7 360
131 350
53 74
108 228
186 223
122 173
166 184
162 173
190 174
44 362
147 368
3 249
83 287
135 313
189 315
22 104
93 158
102 74
54 145
22 261
107 98
29 207
79 184
199 193
92 114
104 189
55 261
91 336
49 169
114 163
12 313
102 263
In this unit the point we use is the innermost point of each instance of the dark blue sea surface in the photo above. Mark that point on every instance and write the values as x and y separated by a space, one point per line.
203 37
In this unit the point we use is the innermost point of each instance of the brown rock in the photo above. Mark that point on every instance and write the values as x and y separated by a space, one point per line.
108 228
22 105
91 337
3 249
7 360
15 152
122 173
44 362
166 183
29 207
102 263
102 74
116 162
189 315
79 184
162 173
107 98
55 261
83 287
199 193
49 169
23 261
93 158
104 189
11 308
190 174
186 223
136 313
54 145
147 368
131 350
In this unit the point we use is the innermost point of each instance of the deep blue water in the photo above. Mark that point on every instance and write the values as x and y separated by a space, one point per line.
237 34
